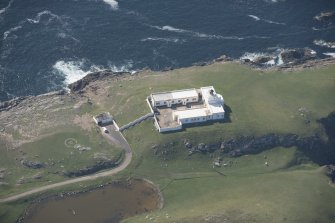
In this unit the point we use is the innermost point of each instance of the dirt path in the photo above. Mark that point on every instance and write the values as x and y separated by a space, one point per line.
113 137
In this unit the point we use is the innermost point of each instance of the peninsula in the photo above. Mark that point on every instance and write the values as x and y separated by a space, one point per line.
277 135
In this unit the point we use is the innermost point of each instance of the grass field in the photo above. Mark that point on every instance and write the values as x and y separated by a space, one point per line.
64 151
261 102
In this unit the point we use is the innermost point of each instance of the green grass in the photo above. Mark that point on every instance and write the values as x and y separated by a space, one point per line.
57 157
262 102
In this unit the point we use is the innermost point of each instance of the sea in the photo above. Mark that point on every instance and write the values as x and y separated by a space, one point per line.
47 44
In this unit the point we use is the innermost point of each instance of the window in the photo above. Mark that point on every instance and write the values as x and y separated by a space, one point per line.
179 100
165 102
187 99
158 103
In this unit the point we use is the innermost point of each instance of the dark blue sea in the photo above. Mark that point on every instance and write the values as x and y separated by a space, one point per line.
46 44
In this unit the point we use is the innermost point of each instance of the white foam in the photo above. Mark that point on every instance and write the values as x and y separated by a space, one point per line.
73 70
329 54
3 10
252 56
37 18
256 18
11 30
174 40
200 35
274 1
121 68
76 70
273 22
275 56
112 3
324 44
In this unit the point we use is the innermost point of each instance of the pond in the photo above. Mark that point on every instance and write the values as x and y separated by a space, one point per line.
111 203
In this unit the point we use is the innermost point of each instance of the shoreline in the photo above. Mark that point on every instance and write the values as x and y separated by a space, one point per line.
76 87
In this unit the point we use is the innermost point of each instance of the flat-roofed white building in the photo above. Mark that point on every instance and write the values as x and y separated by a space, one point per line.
103 119
203 105
170 98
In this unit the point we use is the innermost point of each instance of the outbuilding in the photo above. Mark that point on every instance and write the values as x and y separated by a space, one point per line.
103 119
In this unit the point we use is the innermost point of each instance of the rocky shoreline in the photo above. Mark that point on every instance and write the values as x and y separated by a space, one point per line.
294 59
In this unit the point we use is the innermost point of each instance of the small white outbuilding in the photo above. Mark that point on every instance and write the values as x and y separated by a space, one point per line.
103 119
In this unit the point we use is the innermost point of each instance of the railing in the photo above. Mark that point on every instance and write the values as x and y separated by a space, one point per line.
144 117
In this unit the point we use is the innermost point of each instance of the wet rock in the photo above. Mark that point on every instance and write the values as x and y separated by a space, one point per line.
7 105
82 83
223 58
261 60
32 164
330 172
297 55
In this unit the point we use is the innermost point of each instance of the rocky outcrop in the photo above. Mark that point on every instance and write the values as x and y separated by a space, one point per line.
330 172
89 170
32 164
316 149
7 105
297 56
82 83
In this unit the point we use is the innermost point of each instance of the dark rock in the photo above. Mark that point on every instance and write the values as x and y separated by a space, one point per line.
89 170
297 55
261 60
7 105
330 172
82 83
32 164
223 58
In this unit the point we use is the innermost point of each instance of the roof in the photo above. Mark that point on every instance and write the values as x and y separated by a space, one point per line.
192 113
178 94
104 116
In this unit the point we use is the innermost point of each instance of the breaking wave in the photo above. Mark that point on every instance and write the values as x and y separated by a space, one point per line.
11 30
329 54
205 36
256 18
3 10
37 18
271 59
112 3
174 40
324 43
73 71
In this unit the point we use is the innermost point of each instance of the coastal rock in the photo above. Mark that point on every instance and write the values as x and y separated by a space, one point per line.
262 60
82 83
7 105
223 58
297 55
330 172
32 164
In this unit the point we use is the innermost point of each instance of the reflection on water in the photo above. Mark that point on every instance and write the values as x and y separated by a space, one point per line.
109 204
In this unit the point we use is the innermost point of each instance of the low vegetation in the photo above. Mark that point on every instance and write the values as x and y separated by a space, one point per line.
276 185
